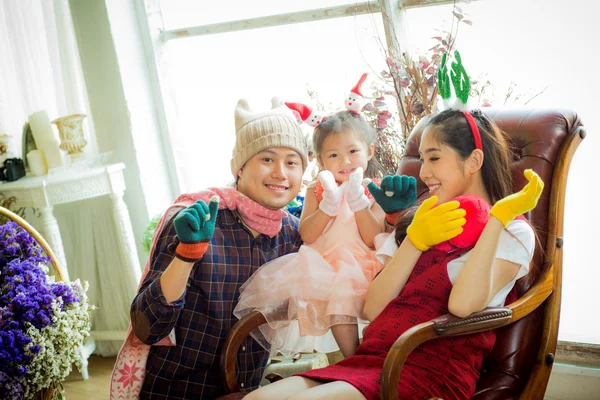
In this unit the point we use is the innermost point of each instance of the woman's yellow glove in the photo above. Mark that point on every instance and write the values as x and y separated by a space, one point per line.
432 226
506 209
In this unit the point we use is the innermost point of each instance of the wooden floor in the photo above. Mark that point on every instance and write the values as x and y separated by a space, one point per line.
566 382
95 388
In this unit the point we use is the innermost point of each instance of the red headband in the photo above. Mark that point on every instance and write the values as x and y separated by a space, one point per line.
474 129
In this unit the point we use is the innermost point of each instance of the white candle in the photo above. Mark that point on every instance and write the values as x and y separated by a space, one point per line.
37 163
41 128
54 156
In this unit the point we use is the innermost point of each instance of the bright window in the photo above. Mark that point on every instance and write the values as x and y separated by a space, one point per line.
183 13
208 74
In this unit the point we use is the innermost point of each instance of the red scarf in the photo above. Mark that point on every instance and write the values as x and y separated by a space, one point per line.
256 216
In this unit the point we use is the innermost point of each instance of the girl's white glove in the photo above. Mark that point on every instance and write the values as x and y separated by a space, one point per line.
332 194
355 193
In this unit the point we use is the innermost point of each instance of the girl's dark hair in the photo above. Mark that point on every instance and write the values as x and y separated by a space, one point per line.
342 122
453 130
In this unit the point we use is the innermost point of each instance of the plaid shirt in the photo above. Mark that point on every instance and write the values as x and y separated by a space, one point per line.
204 315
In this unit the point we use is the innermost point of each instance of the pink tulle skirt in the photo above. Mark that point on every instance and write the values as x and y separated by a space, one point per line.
303 294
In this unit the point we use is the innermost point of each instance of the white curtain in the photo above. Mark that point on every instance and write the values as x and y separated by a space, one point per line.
92 251
39 66
40 70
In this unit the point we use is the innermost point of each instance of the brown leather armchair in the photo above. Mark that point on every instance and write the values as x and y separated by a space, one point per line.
520 363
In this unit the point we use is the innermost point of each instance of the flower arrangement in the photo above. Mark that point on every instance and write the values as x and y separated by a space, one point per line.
412 80
389 145
42 322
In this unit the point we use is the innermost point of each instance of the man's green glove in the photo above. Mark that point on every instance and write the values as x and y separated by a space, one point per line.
395 194
195 227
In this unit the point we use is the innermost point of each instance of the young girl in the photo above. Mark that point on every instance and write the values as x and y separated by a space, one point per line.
462 154
324 285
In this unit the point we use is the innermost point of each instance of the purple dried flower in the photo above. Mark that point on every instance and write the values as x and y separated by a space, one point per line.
15 242
10 388
26 299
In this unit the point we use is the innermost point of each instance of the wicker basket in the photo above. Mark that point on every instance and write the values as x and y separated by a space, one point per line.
45 394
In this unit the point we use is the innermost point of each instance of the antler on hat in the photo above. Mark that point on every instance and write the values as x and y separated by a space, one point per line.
460 81
462 86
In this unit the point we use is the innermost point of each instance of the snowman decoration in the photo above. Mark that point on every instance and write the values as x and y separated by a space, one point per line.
307 115
355 99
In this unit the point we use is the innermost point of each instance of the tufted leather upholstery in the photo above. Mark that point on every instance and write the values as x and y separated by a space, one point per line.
536 137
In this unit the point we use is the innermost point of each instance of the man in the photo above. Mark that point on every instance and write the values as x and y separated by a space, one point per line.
203 256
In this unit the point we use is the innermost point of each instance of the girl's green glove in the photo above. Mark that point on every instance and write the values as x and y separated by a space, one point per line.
395 192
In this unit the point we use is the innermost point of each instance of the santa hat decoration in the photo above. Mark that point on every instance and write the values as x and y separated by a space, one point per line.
355 99
312 118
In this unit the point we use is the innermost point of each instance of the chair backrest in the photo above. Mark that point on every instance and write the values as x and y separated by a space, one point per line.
543 140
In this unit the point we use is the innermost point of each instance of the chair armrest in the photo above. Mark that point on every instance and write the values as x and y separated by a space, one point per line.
449 325
232 344
490 318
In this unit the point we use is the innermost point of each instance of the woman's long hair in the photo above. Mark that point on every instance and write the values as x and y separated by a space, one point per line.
453 130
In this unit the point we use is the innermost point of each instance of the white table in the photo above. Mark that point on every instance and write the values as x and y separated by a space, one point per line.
70 185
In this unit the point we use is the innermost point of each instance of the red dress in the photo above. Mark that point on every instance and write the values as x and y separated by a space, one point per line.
446 367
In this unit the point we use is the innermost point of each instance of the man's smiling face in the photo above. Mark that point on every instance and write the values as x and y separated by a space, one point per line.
272 177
